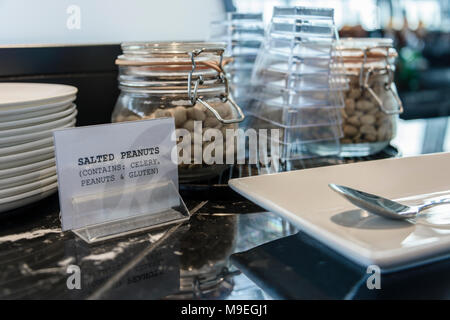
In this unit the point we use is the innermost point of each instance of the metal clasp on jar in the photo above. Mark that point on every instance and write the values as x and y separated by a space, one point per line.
389 85
226 97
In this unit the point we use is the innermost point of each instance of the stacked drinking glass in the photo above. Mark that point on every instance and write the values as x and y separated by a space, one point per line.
243 34
297 84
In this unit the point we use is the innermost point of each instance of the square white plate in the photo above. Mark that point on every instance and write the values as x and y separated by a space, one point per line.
304 198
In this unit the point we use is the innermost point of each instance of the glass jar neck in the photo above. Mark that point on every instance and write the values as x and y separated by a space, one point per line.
173 68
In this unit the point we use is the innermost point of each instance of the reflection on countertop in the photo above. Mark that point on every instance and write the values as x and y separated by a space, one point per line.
181 261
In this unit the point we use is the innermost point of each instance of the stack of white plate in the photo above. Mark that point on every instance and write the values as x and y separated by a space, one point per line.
29 112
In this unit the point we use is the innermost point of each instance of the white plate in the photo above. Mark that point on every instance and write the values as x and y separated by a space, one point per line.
24 158
37 120
28 146
10 141
7 173
27 198
35 111
304 198
16 94
37 127
24 188
27 177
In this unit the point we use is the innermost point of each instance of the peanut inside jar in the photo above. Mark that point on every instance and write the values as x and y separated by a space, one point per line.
196 120
363 119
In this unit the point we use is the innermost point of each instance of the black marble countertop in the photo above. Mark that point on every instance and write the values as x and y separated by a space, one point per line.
191 260
180 261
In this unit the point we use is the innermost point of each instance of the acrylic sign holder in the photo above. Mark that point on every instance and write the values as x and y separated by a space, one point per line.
144 207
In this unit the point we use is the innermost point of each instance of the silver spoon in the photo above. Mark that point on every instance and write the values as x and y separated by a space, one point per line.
382 206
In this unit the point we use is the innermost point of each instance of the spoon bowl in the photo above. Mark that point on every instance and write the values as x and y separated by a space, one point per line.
384 207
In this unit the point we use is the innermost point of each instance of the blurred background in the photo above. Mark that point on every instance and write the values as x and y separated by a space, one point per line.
421 33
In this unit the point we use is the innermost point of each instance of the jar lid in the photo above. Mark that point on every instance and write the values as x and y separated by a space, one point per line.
169 61
359 54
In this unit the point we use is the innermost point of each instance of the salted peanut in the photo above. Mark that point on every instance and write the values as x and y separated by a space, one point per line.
349 106
350 131
196 112
170 111
211 122
162 113
354 121
189 125
222 109
371 137
368 119
343 113
380 113
383 120
368 129
228 111
370 97
373 111
190 113
364 105
358 114
180 115
354 93
384 133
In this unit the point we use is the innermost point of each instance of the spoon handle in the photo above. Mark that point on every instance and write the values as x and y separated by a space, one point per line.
433 203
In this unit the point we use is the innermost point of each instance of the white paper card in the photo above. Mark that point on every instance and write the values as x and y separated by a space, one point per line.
114 171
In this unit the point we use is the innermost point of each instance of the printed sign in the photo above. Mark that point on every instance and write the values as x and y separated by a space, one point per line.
114 171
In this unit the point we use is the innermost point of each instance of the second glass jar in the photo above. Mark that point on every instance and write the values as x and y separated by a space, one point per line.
372 104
